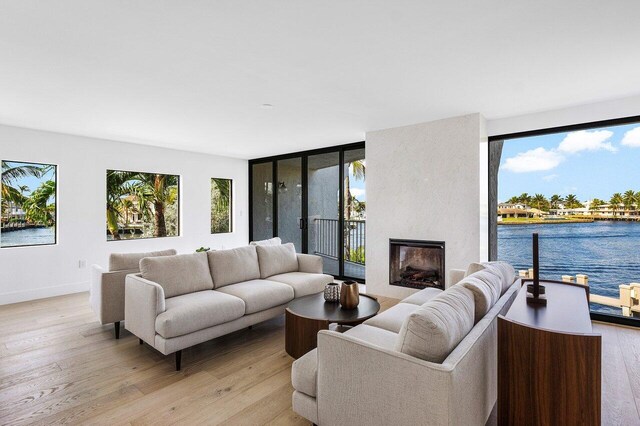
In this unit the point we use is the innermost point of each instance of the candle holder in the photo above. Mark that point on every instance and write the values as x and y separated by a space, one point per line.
536 292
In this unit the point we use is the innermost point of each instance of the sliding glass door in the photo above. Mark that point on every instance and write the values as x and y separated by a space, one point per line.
315 200
323 177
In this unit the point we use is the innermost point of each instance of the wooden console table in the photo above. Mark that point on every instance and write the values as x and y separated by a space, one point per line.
549 360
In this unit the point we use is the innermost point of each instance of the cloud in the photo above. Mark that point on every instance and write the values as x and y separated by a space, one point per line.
534 160
549 178
357 192
584 140
632 138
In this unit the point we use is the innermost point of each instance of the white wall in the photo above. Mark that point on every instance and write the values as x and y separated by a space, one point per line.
423 182
34 272
618 108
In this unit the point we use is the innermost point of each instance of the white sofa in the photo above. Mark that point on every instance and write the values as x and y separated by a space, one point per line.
179 301
106 295
429 360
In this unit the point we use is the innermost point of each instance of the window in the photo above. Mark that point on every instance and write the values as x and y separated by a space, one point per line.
28 211
579 189
221 206
142 205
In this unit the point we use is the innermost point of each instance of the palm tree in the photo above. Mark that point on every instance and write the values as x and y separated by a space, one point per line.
220 203
118 186
572 202
595 205
513 200
615 201
524 198
12 173
37 206
540 201
629 200
127 206
154 192
358 169
555 201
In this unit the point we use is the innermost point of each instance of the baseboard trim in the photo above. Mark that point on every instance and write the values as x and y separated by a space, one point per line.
43 292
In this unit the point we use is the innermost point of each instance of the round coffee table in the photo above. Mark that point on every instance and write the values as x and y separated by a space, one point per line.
305 316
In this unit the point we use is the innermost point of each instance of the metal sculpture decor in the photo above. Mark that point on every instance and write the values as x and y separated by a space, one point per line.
536 292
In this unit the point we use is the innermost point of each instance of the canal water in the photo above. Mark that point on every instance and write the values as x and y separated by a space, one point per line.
608 252
26 237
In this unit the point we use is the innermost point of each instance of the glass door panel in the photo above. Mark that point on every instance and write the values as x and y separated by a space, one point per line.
354 232
262 201
323 183
289 188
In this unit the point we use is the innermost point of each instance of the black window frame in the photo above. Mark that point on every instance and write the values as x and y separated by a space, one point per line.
304 156
492 202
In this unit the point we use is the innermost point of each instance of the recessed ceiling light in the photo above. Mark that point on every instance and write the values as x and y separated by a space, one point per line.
266 106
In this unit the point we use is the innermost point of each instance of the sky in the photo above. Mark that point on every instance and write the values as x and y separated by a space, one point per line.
591 163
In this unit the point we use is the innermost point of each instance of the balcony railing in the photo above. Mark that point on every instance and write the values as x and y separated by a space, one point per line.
354 237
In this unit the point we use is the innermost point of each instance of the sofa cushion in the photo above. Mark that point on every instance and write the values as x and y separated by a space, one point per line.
259 295
179 274
276 260
234 265
423 296
486 288
304 373
131 261
303 283
196 311
433 330
506 272
374 335
392 318
275 241
474 267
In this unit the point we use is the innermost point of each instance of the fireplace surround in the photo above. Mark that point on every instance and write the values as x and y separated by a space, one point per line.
416 263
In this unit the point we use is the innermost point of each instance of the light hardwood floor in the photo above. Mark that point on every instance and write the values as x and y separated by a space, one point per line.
58 365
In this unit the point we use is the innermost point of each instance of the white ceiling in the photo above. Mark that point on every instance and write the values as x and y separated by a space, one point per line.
193 74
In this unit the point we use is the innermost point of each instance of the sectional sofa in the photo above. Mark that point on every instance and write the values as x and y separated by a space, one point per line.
106 295
429 360
179 301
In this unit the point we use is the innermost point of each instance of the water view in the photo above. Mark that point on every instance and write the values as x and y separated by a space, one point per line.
580 192
28 237
607 252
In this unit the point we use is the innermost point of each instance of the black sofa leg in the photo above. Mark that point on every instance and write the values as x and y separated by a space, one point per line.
116 326
178 360
141 341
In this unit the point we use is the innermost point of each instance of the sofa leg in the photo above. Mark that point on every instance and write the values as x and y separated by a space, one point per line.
116 326
141 341
250 327
178 359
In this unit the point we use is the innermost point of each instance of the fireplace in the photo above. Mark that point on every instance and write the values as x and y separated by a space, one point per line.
416 264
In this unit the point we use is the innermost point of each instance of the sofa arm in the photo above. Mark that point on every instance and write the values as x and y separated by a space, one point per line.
309 263
360 383
456 275
144 301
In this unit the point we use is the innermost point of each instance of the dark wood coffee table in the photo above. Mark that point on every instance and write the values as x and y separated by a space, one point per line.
305 316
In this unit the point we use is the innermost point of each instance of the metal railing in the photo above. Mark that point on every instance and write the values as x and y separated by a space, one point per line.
354 237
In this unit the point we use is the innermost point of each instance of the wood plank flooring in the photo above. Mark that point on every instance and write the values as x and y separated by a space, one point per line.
58 365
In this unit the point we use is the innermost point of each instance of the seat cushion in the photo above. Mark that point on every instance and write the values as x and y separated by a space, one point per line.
259 295
233 266
131 261
433 330
374 335
303 283
196 311
276 260
304 373
392 318
506 272
275 241
180 274
422 296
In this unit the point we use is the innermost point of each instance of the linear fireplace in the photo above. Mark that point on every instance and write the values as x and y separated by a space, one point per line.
416 264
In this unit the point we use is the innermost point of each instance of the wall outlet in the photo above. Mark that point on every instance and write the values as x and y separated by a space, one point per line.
82 264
